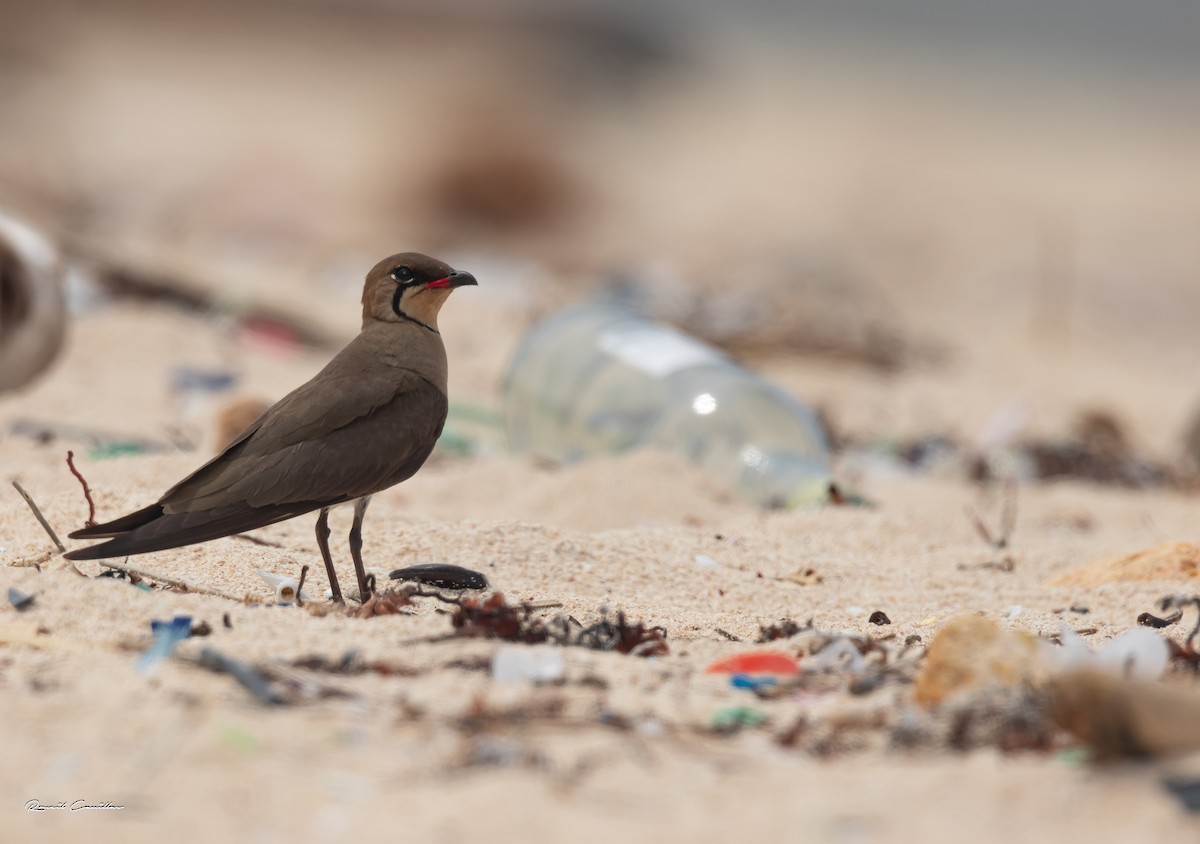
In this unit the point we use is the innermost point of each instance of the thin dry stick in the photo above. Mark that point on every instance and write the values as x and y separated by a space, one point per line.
170 581
87 492
41 519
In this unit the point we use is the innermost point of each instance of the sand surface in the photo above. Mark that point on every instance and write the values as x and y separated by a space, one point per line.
1028 232
408 756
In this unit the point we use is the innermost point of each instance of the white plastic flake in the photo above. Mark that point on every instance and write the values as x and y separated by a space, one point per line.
1138 654
285 587
515 663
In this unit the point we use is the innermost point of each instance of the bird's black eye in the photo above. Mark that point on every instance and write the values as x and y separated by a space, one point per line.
402 274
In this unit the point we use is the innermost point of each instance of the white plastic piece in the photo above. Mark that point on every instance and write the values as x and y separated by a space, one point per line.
838 655
1138 654
285 587
1074 652
705 561
516 663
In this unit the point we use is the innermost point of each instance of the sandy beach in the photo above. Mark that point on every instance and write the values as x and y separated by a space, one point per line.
986 289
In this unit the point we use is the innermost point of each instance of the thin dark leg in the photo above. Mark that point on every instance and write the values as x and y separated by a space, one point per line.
360 509
323 544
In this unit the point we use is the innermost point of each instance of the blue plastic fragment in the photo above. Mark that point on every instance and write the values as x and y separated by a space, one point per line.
19 599
167 634
185 378
751 681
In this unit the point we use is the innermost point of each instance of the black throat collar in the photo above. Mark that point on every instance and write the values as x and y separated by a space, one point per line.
396 310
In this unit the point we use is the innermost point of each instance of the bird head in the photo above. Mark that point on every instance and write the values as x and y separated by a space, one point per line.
410 287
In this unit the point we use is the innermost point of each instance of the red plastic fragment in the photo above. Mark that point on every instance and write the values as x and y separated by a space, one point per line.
755 662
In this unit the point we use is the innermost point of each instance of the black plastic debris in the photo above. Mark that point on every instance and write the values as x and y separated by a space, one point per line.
443 576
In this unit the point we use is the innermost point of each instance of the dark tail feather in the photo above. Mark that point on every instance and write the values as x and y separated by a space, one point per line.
121 525
159 531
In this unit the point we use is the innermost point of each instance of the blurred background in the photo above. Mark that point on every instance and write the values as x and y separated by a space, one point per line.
927 218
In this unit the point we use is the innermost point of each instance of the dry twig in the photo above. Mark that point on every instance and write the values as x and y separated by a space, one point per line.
170 581
41 519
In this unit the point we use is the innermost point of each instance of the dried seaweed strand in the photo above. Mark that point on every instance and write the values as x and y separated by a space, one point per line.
87 492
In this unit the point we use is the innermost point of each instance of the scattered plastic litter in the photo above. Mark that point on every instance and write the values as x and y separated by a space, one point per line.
731 719
751 681
167 635
194 379
107 452
511 663
285 587
19 599
840 654
705 561
755 662
662 389
42 431
442 575
1137 654
268 334
253 682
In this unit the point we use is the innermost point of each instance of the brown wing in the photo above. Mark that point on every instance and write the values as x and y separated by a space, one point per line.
323 444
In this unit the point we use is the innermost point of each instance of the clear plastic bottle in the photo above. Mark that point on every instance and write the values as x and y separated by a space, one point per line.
601 378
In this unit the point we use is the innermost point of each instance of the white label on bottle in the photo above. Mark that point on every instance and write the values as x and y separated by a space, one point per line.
657 351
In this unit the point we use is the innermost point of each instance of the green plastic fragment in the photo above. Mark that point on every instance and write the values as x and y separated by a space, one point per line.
1075 757
475 413
456 443
238 738
734 718
105 452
